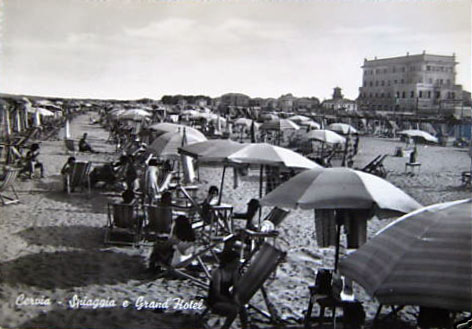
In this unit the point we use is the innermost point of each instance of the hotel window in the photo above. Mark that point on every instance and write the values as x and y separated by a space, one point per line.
376 83
376 95
395 82
394 69
421 94
388 83
430 80
403 94
438 94
412 94
429 94
403 69
371 83
385 71
428 68
397 94
448 82
382 83
402 81
382 95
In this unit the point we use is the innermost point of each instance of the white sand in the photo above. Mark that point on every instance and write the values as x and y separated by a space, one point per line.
52 244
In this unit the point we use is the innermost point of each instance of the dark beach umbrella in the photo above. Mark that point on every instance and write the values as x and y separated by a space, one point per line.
424 258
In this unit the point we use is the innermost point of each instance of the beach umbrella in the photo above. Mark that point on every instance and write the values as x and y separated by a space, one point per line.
279 125
116 112
342 128
325 136
311 124
298 118
266 154
245 122
341 188
134 114
167 145
423 258
211 151
165 127
269 116
191 114
416 133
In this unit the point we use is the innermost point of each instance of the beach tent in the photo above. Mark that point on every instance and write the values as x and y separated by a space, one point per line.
423 258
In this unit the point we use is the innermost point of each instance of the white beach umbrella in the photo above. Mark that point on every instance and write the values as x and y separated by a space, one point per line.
342 128
325 136
298 118
279 125
416 133
167 145
134 114
166 127
41 111
311 124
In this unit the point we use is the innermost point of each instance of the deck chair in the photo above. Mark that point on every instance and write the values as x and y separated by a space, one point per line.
158 222
80 176
8 184
179 269
70 146
376 166
264 263
123 224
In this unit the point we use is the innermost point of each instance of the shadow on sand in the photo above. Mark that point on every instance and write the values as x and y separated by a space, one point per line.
73 269
76 236
113 318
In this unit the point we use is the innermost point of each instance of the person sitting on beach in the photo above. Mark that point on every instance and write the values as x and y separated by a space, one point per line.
84 146
210 200
31 161
413 155
175 249
252 208
224 280
66 172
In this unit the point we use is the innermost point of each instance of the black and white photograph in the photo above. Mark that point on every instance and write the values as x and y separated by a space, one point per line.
254 164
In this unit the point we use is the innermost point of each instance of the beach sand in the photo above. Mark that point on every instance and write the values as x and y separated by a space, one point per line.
52 243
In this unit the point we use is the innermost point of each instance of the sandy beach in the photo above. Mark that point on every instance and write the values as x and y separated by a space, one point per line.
52 244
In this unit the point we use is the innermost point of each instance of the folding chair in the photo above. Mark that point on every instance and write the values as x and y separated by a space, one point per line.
8 183
70 146
264 263
158 221
79 177
123 224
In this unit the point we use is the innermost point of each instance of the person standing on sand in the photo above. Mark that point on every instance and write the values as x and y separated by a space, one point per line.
151 182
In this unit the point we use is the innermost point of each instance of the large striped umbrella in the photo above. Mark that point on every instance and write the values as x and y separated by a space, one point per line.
167 145
325 136
415 133
211 151
423 258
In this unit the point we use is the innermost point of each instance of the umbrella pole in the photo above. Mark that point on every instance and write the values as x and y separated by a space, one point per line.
338 242
221 186
260 191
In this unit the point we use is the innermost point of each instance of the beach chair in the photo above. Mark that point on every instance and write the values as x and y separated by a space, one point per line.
80 177
158 221
262 266
70 146
8 184
376 166
123 224
332 291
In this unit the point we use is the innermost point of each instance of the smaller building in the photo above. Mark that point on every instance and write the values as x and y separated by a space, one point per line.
339 103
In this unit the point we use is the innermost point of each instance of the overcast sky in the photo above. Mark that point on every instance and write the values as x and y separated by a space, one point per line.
134 49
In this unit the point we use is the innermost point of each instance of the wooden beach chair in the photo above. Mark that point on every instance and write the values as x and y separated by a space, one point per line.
70 146
8 184
123 224
262 266
376 166
158 221
80 177
329 292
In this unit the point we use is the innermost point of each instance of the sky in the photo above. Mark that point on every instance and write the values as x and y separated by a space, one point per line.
263 48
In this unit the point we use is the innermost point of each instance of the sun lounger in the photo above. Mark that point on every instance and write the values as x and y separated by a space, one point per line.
8 184
80 176
262 266
123 224
376 166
